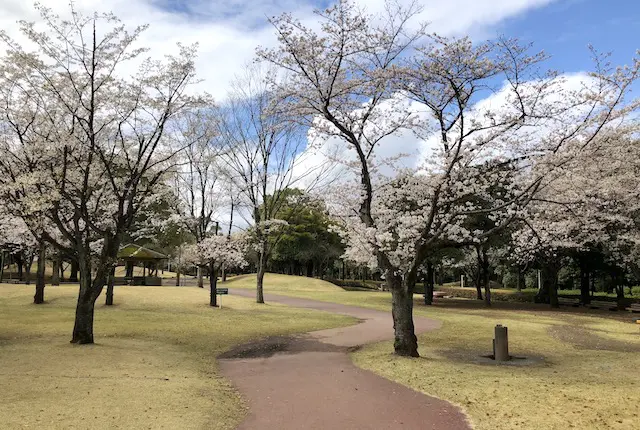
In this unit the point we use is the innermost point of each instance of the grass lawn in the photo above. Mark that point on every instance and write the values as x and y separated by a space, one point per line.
153 364
588 376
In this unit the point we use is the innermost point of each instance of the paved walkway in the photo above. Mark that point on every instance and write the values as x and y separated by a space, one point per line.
308 382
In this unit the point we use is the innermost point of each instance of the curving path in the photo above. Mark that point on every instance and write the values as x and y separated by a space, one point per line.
309 382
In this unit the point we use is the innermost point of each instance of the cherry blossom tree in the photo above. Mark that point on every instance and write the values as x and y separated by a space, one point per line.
362 78
215 252
591 207
101 134
197 176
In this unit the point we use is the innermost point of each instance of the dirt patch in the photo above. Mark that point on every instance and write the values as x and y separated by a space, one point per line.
482 357
278 345
586 339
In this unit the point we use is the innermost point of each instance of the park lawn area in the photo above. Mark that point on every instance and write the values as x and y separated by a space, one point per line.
587 376
284 284
153 364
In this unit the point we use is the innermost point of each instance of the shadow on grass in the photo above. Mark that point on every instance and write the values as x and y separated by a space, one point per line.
583 338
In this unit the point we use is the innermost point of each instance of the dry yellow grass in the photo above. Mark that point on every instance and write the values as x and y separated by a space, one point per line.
284 284
153 364
574 386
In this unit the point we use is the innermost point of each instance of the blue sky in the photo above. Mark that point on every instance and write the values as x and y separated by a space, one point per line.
565 28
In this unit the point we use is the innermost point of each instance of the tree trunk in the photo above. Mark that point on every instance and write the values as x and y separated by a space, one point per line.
553 292
74 271
20 267
90 289
262 263
406 342
110 283
178 278
83 327
310 269
38 298
224 273
478 274
428 284
485 277
55 274
549 291
585 298
200 279
128 269
213 285
27 270
521 280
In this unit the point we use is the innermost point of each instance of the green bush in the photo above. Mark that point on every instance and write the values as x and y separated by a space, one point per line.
510 280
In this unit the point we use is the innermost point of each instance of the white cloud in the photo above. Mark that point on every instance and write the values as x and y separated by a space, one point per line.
228 32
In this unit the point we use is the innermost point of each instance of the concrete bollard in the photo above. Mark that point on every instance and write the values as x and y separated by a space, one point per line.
501 344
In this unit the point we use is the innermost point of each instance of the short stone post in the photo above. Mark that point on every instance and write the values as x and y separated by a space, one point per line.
501 344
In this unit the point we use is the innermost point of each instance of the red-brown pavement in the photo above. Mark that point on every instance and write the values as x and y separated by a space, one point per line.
308 382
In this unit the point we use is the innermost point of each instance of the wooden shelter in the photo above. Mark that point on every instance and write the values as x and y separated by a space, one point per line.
132 255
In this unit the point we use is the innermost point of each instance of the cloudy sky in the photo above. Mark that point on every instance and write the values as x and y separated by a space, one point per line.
229 31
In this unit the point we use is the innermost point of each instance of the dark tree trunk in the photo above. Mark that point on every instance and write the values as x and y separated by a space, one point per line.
224 273
485 277
55 274
73 277
478 277
549 291
521 280
20 265
553 292
343 270
213 285
406 342
310 269
585 298
83 327
90 289
27 270
38 298
262 267
128 269
110 284
428 284
178 278
200 278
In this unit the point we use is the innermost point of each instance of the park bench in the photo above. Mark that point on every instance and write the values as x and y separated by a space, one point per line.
602 304
634 307
563 301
